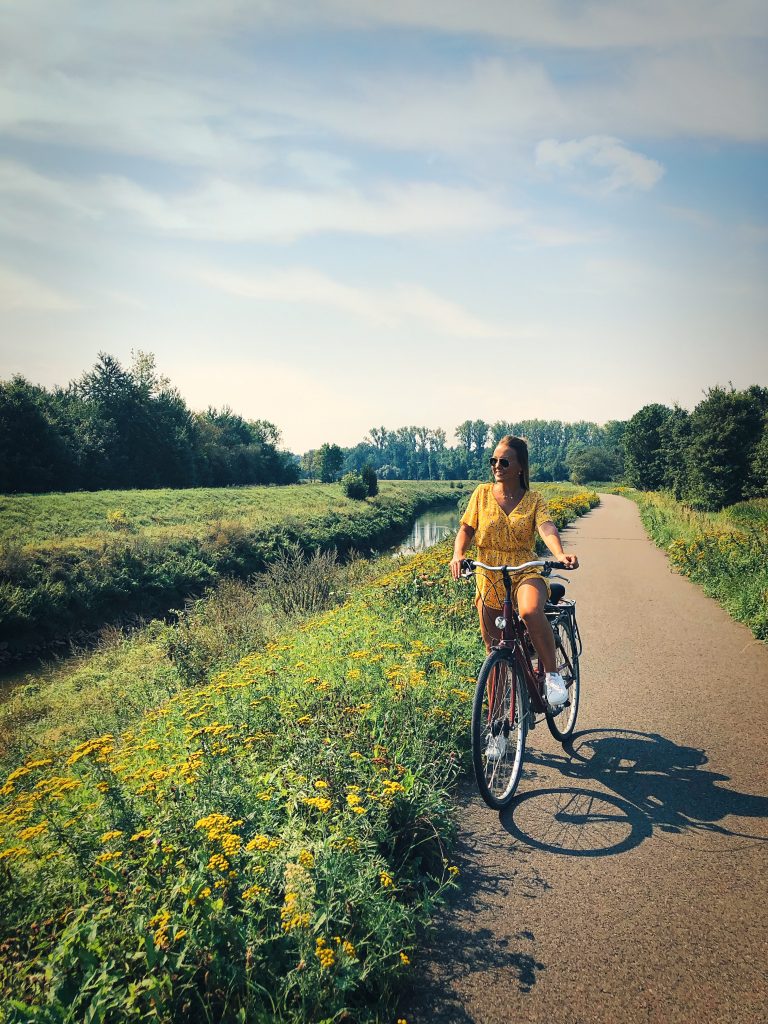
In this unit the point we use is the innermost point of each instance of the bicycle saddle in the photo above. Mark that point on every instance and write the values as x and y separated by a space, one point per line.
557 593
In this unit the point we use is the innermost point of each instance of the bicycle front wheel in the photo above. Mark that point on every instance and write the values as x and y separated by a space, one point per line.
562 722
499 726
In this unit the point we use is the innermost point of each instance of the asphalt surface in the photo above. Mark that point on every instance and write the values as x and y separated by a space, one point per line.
628 881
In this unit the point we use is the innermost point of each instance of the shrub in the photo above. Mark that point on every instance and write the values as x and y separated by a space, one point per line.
354 486
296 584
371 481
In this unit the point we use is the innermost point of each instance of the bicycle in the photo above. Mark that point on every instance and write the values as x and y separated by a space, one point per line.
510 690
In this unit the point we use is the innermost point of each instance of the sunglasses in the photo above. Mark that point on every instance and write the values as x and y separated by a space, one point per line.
504 463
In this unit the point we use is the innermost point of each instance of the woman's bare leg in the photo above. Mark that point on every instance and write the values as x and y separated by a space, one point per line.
531 598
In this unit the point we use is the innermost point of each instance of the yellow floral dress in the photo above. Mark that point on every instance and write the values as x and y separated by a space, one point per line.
503 539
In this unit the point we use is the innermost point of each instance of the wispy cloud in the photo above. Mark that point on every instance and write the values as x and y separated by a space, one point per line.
389 308
21 292
620 167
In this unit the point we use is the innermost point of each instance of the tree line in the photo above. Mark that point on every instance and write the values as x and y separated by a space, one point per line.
129 428
559 451
714 456
711 457
117 427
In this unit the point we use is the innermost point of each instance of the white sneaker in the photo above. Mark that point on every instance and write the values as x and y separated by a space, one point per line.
555 688
496 748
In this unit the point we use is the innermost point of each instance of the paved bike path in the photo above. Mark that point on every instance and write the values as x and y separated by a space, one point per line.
628 882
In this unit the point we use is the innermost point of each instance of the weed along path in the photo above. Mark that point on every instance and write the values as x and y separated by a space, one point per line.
627 882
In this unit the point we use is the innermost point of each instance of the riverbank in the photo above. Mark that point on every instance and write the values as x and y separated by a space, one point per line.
52 591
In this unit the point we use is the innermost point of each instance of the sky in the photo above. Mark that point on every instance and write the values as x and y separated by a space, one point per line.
340 214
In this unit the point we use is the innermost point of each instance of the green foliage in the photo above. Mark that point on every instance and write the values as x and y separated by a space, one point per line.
725 429
644 466
354 486
264 847
58 589
128 428
587 464
422 453
32 454
331 459
725 553
758 467
674 445
371 481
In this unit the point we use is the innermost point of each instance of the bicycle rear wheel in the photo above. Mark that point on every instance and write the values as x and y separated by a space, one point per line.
561 723
499 726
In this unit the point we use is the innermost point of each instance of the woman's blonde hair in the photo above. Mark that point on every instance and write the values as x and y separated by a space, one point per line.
520 446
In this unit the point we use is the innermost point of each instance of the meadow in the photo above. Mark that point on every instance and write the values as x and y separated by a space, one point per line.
139 553
725 553
93 518
267 845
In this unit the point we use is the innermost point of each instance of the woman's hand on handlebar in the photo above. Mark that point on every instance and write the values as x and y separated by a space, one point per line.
570 561
456 566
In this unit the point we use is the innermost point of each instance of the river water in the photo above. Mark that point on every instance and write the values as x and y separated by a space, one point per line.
429 529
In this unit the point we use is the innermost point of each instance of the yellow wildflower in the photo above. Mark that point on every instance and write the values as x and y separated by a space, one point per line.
105 858
114 834
324 954
32 831
322 804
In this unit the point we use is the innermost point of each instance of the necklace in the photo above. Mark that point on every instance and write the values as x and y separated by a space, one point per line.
509 497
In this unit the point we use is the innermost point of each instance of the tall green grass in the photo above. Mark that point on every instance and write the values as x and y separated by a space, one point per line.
725 553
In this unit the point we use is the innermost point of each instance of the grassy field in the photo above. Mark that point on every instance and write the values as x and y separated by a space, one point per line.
266 846
96 517
725 552
52 589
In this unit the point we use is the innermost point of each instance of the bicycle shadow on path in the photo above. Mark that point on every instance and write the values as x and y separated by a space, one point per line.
656 787
457 949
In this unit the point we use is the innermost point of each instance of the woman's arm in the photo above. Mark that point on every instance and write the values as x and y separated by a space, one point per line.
551 537
460 545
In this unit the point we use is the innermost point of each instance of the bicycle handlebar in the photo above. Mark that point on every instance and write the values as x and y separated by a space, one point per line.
468 566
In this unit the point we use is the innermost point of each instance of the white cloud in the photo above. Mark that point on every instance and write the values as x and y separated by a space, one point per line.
625 168
588 25
20 292
231 211
389 308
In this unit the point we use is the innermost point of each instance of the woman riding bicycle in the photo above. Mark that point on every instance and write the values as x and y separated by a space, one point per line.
502 518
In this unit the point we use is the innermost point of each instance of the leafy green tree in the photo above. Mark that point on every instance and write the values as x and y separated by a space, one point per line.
675 440
613 440
589 463
757 486
371 481
33 455
643 458
726 428
331 461
310 464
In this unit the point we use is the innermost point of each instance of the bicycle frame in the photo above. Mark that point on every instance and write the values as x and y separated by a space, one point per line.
513 639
